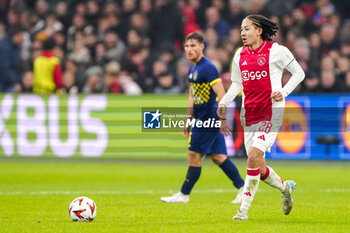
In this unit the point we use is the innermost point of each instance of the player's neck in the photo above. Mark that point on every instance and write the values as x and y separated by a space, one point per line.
257 44
195 62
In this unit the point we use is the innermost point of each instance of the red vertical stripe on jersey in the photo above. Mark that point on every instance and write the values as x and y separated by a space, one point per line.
255 71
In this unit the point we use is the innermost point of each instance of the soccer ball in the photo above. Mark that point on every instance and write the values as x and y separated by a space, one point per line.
82 209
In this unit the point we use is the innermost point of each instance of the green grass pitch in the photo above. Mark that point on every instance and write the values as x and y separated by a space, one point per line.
35 194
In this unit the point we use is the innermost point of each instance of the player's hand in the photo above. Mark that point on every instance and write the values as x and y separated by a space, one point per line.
276 96
186 130
221 111
225 128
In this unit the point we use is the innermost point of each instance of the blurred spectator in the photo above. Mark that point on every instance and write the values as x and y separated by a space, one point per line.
116 81
68 83
347 82
329 82
92 12
58 52
315 52
47 70
199 9
115 48
93 85
52 25
146 8
80 54
60 39
139 22
211 37
12 18
100 54
62 14
42 8
214 21
143 34
312 83
182 67
80 9
9 59
189 19
301 23
328 38
167 13
328 64
166 84
343 66
128 9
90 40
236 13
26 84
324 8
78 25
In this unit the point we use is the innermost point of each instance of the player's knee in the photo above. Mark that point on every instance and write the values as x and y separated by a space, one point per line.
255 156
194 159
218 158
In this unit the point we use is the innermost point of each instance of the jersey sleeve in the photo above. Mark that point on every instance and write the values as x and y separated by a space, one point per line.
236 86
285 56
212 75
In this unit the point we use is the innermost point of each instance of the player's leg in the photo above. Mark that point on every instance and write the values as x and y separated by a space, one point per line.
193 173
271 178
251 183
218 155
230 169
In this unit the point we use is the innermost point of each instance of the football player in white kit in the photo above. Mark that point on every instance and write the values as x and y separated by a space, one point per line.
257 70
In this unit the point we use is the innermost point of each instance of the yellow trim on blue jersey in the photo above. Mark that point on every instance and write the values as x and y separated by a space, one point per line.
215 81
189 139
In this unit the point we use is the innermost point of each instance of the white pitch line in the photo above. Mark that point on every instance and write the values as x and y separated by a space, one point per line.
108 192
114 192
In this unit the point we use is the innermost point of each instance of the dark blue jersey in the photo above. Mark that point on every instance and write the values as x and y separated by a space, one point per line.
202 77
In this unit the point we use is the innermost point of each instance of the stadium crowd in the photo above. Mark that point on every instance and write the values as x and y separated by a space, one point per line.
135 46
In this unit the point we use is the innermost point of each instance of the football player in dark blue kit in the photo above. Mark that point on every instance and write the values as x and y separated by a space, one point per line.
205 90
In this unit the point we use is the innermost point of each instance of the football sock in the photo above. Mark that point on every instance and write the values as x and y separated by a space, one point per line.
192 176
231 171
271 178
250 186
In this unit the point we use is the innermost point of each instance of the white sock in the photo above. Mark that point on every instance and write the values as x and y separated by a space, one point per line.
273 179
251 184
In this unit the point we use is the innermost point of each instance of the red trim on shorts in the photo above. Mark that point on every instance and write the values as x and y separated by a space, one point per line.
254 172
267 173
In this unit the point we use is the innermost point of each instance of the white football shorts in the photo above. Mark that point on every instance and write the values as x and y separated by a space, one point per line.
261 135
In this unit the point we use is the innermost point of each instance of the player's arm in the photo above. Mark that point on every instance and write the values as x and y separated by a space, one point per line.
220 92
235 88
189 114
297 75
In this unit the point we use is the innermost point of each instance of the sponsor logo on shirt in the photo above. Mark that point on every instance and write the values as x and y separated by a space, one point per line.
246 75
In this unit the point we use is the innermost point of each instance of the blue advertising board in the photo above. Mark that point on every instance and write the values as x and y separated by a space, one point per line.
314 127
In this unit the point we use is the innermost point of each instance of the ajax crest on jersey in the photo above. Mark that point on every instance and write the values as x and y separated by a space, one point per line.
82 209
261 61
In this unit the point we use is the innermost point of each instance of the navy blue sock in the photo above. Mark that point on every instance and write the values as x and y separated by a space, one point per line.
192 176
232 172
